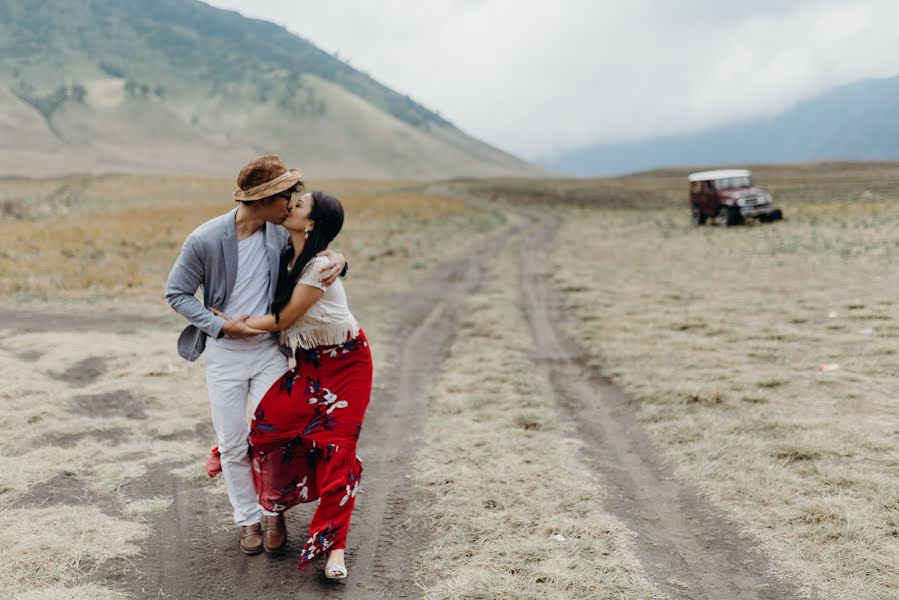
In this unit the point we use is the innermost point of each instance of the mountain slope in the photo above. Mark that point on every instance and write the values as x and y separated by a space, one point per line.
859 121
179 86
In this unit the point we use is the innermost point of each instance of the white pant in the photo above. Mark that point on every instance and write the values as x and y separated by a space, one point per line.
237 381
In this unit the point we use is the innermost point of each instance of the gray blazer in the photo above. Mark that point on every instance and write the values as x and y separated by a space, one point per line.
209 259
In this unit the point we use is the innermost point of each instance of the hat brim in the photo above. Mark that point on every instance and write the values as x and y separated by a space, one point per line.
285 184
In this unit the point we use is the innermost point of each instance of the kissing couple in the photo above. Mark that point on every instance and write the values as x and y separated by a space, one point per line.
288 369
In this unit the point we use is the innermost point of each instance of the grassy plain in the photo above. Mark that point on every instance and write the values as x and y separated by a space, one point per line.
95 412
722 335
116 237
719 333
516 513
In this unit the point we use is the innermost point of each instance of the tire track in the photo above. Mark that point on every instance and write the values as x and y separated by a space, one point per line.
392 430
192 552
690 549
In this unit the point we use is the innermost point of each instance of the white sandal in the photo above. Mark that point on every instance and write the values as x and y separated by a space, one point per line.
335 572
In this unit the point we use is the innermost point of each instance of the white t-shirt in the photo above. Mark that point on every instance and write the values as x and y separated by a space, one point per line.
250 293
329 321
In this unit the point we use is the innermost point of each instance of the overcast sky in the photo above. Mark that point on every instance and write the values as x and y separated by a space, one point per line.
536 78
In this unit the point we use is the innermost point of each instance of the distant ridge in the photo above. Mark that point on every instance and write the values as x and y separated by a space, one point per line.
859 121
179 86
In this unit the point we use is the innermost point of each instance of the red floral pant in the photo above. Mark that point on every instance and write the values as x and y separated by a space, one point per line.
303 439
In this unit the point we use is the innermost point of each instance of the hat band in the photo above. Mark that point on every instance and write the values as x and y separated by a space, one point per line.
268 184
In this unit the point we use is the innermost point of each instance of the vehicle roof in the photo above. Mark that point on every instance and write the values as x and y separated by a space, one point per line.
722 174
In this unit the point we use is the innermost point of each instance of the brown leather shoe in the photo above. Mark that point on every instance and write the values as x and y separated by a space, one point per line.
274 532
250 539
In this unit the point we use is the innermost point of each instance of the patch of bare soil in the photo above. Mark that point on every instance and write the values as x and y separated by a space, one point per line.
109 436
30 356
65 488
192 552
109 404
84 372
25 320
688 548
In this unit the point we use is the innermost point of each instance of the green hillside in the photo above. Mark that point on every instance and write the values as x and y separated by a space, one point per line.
210 78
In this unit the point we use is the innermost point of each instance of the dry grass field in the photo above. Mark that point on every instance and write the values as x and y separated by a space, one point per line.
518 515
97 238
719 334
764 357
96 408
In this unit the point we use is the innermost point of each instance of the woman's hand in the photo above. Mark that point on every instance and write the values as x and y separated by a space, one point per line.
236 328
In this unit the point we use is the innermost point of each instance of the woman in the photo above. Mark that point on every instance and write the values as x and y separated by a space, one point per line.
304 432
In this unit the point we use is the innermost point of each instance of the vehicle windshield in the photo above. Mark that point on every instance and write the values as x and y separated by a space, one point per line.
729 183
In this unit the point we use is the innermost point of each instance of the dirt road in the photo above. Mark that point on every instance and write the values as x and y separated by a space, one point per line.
192 552
689 549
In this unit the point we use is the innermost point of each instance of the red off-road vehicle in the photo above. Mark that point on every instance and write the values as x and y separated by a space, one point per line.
729 198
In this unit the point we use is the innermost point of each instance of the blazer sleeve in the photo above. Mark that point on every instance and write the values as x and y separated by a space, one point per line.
185 279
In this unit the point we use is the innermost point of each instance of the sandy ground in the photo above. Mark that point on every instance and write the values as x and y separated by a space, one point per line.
117 377
516 512
766 375
690 549
508 453
683 547
114 427
124 391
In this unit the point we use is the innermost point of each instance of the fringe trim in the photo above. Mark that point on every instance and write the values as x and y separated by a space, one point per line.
330 334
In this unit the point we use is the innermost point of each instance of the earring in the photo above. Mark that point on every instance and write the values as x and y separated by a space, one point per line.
307 233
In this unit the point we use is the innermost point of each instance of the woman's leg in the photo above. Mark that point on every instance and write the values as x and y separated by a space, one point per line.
283 469
338 474
336 567
340 391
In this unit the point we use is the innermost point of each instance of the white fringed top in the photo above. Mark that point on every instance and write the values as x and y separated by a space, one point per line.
329 321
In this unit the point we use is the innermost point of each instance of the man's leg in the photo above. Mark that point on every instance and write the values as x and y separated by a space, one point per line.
228 380
269 365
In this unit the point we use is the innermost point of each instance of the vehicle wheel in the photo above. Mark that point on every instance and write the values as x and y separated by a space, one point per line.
776 215
721 216
729 215
698 216
764 218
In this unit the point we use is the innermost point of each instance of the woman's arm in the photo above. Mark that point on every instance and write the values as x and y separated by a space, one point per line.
303 297
307 291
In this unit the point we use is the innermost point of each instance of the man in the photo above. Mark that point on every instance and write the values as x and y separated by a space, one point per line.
235 258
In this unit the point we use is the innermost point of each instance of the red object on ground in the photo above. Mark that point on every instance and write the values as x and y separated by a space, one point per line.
214 462
303 439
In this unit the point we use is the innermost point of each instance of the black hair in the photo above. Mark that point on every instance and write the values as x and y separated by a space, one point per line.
327 213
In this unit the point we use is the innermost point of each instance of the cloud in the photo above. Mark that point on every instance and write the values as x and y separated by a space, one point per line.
539 78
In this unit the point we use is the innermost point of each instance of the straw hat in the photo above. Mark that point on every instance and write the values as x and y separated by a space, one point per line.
264 177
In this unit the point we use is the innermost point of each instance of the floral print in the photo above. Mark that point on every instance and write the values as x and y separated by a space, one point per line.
303 439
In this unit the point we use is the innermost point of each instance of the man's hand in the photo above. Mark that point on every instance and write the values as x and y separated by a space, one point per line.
237 328
331 271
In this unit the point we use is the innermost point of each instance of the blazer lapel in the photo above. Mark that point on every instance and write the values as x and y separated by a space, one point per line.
229 248
274 259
